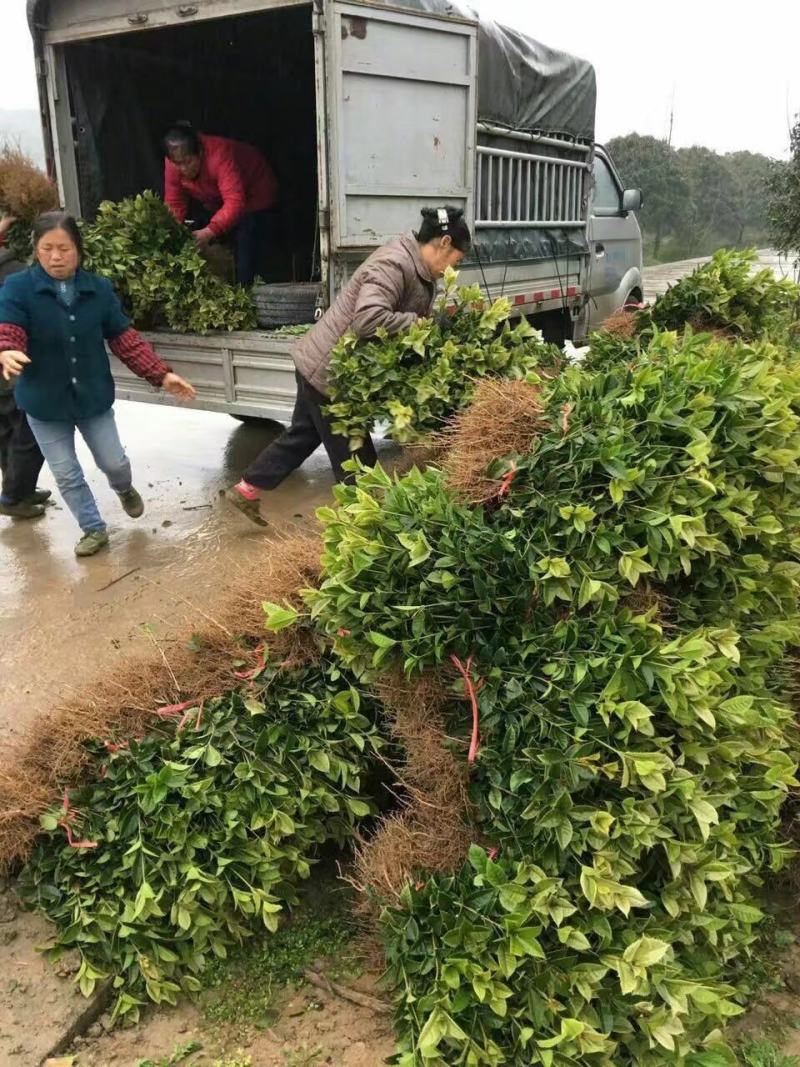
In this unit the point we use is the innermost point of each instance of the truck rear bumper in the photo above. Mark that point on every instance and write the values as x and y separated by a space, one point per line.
247 373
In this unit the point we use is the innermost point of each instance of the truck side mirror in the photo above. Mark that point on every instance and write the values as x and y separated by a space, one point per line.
632 200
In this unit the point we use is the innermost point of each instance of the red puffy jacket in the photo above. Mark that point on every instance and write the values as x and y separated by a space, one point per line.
234 180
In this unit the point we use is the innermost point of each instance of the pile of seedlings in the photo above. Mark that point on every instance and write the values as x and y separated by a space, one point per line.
569 632
415 381
158 271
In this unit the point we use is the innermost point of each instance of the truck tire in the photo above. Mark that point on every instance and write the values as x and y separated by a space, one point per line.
265 424
285 303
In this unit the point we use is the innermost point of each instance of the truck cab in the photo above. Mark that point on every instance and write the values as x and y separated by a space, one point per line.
615 241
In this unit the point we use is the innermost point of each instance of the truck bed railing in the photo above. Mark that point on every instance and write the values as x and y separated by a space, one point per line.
525 190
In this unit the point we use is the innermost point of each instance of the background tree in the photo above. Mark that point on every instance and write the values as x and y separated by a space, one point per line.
696 200
650 165
784 201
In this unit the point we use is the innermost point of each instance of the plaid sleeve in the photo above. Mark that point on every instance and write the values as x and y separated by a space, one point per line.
131 349
13 338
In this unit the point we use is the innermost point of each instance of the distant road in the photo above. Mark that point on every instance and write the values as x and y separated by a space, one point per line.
657 278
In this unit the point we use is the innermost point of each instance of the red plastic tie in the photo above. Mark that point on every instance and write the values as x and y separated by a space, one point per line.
506 481
469 687
112 746
70 814
71 840
248 676
171 710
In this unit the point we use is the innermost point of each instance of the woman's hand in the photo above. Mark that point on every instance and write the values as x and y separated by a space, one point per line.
174 385
12 363
6 222
204 237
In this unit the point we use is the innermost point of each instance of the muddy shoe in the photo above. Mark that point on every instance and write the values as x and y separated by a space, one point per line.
248 506
24 510
132 503
91 542
39 496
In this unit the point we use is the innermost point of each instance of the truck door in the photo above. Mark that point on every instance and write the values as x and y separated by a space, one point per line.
615 243
401 107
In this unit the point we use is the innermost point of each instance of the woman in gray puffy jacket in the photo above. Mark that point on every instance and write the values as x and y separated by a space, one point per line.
392 289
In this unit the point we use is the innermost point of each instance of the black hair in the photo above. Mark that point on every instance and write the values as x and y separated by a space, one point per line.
182 135
445 221
58 220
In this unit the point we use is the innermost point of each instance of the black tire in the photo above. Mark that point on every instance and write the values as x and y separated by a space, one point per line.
262 423
285 304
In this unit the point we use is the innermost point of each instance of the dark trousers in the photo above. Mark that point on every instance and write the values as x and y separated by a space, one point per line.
256 239
310 428
20 458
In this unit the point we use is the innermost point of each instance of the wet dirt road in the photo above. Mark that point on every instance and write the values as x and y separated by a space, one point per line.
63 620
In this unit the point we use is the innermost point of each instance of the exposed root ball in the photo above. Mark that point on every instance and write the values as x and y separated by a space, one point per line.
429 452
199 666
621 323
505 418
433 832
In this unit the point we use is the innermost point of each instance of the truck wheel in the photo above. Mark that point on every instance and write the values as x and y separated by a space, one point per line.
265 424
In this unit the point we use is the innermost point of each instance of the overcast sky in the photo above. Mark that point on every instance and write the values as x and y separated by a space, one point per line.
731 67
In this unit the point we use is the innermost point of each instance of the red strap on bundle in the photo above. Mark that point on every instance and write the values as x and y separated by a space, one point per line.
171 710
248 676
66 824
506 480
469 688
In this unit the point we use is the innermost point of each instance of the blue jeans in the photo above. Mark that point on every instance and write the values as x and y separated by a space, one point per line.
57 442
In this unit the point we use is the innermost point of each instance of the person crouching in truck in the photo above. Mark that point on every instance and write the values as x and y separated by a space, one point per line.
20 457
230 190
392 289
54 321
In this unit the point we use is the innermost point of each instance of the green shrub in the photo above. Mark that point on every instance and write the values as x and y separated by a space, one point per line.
192 837
415 380
628 605
728 294
158 271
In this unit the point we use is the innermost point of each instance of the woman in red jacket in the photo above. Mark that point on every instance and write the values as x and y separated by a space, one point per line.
229 188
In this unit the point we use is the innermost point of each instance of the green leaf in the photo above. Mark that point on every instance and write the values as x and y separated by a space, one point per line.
279 618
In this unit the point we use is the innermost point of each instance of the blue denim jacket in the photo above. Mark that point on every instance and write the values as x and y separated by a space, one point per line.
69 376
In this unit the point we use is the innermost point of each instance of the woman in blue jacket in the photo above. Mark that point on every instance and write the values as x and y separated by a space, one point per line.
54 322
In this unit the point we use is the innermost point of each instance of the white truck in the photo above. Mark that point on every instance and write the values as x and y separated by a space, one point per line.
368 111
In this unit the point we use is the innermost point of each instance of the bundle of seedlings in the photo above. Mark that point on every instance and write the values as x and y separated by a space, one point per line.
185 840
625 776
157 269
25 192
415 380
726 297
203 663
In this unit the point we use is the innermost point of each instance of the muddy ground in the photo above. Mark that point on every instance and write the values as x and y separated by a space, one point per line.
65 621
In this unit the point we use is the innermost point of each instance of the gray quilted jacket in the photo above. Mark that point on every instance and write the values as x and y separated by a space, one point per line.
393 289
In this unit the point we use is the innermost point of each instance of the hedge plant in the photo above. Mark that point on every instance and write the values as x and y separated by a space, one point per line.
185 841
628 605
415 380
156 267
